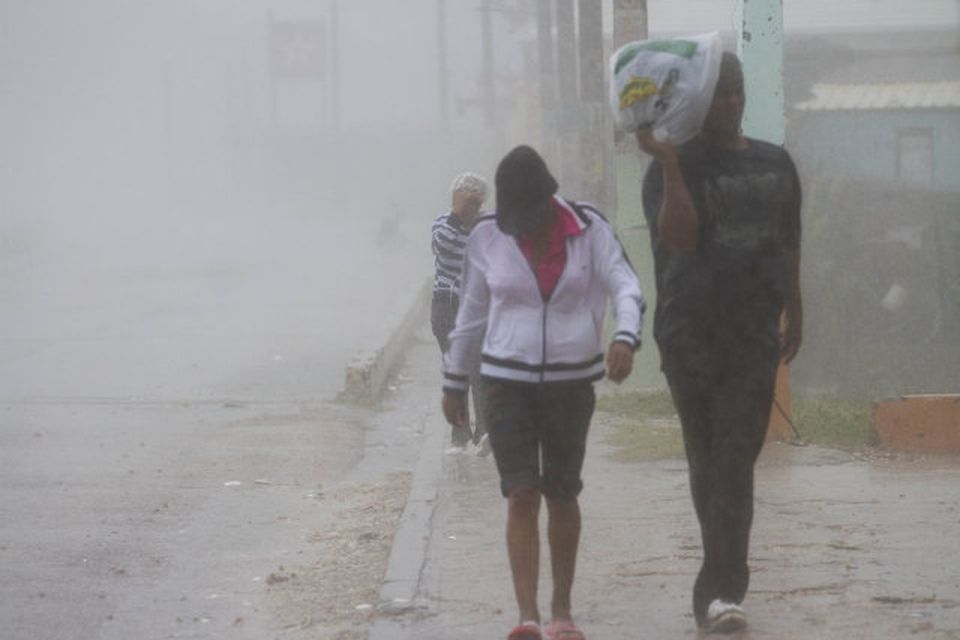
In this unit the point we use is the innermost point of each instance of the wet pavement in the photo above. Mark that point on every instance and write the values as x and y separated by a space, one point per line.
167 424
844 545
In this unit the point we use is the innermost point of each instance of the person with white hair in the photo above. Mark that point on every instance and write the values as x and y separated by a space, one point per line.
450 231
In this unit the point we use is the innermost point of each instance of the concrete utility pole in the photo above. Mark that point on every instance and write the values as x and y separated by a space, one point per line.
335 64
595 138
489 86
629 25
168 128
443 83
568 97
760 46
546 77
629 21
591 50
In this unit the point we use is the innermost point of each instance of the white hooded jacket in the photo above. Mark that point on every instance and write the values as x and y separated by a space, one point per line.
525 338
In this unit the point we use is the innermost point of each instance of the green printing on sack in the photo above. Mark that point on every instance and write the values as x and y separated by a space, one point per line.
682 48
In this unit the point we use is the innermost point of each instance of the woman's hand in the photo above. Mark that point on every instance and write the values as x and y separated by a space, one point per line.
455 408
619 361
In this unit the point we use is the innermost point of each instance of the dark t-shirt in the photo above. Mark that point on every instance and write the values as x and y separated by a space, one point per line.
731 289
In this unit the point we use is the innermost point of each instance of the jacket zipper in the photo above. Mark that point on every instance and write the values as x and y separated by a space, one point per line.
545 304
543 315
543 342
536 286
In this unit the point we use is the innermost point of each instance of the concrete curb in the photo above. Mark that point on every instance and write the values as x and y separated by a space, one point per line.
408 552
365 382
366 377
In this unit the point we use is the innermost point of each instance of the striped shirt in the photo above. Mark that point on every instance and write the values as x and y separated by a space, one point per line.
449 244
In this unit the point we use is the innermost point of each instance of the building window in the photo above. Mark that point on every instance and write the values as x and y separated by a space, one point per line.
915 155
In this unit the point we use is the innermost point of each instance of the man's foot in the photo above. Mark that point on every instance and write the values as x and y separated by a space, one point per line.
529 630
483 445
724 617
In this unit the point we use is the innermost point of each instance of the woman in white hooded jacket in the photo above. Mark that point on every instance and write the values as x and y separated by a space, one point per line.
537 278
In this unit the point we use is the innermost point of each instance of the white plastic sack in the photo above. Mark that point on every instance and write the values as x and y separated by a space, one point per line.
665 84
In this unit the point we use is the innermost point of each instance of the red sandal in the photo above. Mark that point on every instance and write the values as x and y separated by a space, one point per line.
529 630
563 630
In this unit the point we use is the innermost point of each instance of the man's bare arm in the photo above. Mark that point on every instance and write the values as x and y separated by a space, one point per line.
677 222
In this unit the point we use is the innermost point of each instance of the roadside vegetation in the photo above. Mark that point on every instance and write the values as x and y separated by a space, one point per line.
833 422
646 427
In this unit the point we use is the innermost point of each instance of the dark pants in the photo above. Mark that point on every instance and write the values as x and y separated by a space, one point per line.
539 434
723 393
443 317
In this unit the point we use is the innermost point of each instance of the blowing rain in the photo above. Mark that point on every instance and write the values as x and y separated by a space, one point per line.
523 319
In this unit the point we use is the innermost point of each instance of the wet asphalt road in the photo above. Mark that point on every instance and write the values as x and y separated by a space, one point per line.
167 424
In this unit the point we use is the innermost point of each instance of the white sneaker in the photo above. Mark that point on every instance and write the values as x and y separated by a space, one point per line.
454 450
725 617
483 446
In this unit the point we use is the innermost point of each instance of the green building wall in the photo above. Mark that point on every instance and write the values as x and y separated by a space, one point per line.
863 144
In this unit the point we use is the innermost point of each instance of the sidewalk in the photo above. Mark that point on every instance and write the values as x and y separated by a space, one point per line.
843 547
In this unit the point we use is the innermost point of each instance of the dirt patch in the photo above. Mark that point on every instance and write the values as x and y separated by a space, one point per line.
335 597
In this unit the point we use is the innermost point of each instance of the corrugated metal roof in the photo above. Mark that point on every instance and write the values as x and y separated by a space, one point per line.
902 95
